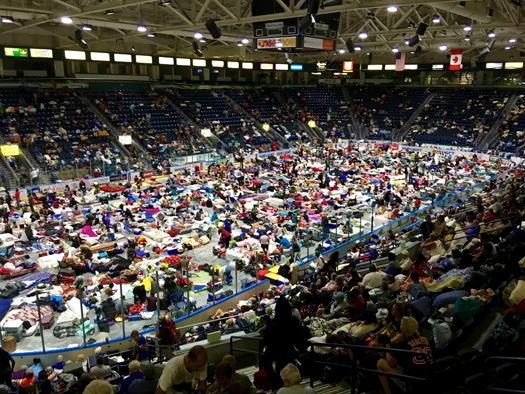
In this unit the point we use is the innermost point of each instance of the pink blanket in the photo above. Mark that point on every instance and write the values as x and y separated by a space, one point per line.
30 313
152 210
88 231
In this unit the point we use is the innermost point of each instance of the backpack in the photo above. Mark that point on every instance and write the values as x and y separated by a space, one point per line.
102 322
418 291
260 380
464 309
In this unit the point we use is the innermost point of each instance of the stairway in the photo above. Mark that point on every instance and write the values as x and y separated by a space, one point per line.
7 175
296 119
43 177
406 127
271 133
111 128
212 141
484 141
359 134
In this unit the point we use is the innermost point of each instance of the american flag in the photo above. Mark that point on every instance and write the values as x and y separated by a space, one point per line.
400 61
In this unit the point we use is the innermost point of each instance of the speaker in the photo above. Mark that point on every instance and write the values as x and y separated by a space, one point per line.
195 46
421 29
490 43
414 41
305 22
79 35
314 6
350 46
213 29
483 52
418 51
369 58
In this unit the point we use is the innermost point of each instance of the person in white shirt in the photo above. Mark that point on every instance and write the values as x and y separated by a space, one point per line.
292 381
182 371
373 279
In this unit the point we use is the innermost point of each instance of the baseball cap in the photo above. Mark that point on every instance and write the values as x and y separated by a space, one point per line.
339 296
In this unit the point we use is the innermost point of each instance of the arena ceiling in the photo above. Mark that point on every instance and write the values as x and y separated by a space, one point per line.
171 25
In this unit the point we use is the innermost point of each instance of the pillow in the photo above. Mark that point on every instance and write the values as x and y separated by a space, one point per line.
448 298
421 308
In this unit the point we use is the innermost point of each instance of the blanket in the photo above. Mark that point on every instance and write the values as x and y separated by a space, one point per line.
452 282
30 314
112 189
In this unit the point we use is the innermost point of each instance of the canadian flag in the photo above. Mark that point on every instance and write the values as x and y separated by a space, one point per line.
455 59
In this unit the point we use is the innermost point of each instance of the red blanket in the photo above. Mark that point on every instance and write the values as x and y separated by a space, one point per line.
112 189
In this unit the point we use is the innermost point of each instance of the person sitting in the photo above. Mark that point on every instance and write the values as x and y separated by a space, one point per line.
146 385
291 377
407 364
134 374
373 279
29 378
100 371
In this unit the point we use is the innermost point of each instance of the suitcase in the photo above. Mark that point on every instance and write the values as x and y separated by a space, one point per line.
9 344
48 321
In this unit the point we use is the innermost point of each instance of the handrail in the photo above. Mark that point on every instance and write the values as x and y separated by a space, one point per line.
354 366
258 353
516 360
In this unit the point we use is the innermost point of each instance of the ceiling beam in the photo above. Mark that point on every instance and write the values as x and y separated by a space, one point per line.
225 9
285 7
202 10
67 5
178 13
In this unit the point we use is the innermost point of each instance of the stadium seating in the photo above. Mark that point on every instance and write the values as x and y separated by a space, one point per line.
211 109
458 116
512 130
381 110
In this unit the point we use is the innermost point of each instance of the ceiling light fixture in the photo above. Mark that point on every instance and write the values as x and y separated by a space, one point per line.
165 2
342 50
197 35
467 37
239 44
512 40
150 35
507 47
407 42
443 32
492 34
392 8
357 48
370 15
395 49
142 28
132 48
7 19
245 41
87 27
202 40
411 25
467 28
443 47
363 34
66 19
436 19
110 12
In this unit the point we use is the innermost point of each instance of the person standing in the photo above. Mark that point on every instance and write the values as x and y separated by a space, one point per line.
34 176
7 366
265 243
17 198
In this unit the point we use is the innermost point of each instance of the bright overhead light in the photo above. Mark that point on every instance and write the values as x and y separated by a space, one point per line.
165 2
342 50
245 41
150 35
436 19
443 47
507 47
412 52
110 12
512 40
392 8
407 42
7 19
142 28
87 27
239 44
202 40
467 37
132 48
395 49
66 20
467 28
492 34
197 35
357 48
363 34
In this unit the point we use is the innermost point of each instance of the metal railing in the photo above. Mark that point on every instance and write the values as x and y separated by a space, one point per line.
258 353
